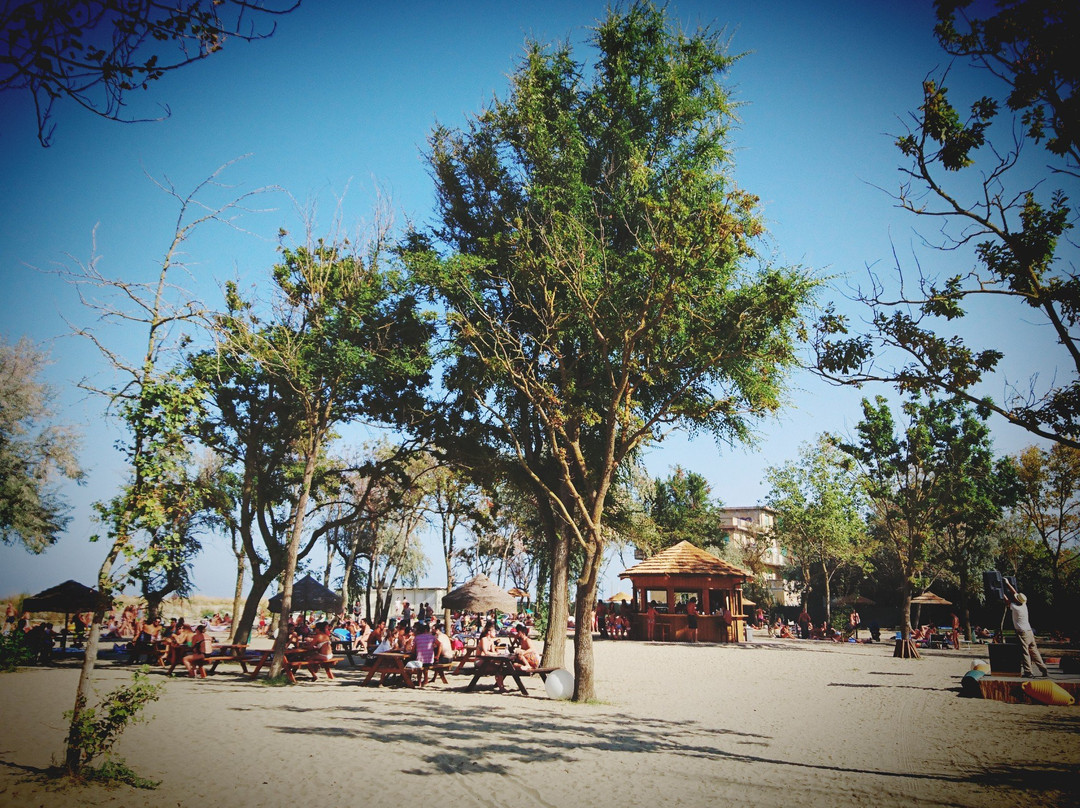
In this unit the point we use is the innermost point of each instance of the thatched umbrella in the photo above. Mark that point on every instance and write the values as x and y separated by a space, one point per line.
618 597
931 599
308 595
854 600
480 595
68 597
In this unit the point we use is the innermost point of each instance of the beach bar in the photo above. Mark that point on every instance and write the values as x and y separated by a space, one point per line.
670 578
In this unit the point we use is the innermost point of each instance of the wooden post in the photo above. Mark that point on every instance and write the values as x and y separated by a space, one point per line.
906 650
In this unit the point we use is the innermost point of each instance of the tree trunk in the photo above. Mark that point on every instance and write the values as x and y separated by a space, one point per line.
558 605
965 611
72 753
584 686
259 583
281 641
238 595
828 594
905 648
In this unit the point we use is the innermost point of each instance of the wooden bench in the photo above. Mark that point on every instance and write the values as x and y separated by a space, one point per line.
435 671
293 665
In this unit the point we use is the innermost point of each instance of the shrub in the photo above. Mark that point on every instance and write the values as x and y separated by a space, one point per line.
14 651
98 728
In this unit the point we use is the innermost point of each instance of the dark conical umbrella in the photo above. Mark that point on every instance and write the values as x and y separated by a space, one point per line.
308 595
68 597
480 595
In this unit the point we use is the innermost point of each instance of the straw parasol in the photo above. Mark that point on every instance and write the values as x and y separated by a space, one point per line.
853 600
68 597
308 595
929 598
618 596
480 595
518 593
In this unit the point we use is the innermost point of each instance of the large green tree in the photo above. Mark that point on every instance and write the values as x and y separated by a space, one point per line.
345 342
931 484
682 509
33 453
995 207
819 519
599 275
973 492
1050 501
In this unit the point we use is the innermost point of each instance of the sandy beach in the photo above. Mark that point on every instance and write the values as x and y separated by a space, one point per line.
769 723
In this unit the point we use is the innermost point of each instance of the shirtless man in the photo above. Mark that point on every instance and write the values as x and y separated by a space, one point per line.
525 654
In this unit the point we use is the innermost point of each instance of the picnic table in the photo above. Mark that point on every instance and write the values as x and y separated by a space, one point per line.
504 666
227 652
391 663
295 658
345 647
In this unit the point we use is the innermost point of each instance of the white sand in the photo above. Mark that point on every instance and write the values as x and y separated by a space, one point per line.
780 723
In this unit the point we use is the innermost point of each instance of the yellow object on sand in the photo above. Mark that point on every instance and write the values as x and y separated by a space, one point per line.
980 665
1048 692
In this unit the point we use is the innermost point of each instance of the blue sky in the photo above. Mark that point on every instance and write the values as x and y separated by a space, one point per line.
335 109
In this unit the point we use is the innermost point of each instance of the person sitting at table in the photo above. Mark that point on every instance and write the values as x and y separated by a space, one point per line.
320 648
179 645
525 654
489 647
362 635
201 646
444 654
426 646
145 641
406 640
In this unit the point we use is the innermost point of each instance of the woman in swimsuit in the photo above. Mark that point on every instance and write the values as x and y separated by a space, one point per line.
489 648
320 648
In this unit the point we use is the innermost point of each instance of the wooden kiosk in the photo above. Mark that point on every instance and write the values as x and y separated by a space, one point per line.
671 577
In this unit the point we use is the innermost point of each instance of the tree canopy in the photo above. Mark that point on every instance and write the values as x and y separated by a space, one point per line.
33 452
966 173
598 269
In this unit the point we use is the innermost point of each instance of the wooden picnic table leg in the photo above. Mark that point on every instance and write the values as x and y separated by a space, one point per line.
520 684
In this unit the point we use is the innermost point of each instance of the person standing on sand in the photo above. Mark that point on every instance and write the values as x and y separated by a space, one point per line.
804 624
691 619
650 620
1017 603
854 621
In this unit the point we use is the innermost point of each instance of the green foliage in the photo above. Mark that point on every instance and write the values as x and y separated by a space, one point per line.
600 279
934 488
14 652
94 730
819 506
596 282
115 772
1050 503
683 510
32 453
1018 224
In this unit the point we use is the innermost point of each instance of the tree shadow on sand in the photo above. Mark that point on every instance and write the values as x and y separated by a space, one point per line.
496 738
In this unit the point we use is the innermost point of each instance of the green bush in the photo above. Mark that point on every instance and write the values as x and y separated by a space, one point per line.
98 728
14 652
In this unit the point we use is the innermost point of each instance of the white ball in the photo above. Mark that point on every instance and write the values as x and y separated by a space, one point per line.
559 684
